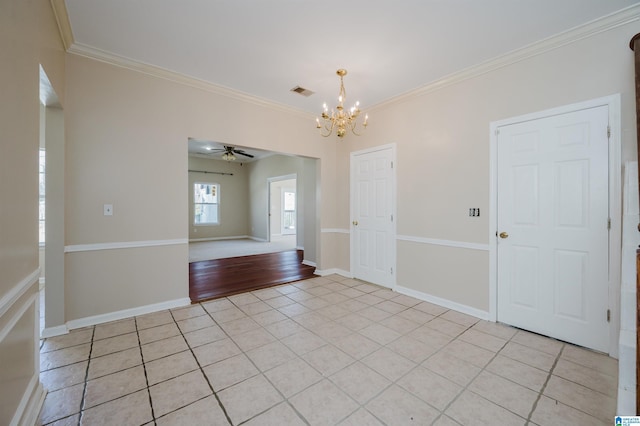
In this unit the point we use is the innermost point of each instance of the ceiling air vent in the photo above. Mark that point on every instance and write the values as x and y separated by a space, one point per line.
302 91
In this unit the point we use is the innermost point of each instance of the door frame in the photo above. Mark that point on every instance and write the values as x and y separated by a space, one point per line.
270 180
615 204
352 201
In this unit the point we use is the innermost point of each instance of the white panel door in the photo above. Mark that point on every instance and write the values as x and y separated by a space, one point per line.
373 231
553 226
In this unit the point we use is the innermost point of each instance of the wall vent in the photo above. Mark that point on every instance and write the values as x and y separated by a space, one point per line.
302 91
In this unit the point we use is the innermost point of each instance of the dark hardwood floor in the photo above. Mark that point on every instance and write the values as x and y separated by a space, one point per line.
211 279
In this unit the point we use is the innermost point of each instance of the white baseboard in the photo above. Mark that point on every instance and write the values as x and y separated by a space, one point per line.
309 263
261 240
54 331
31 403
237 237
443 302
342 272
127 313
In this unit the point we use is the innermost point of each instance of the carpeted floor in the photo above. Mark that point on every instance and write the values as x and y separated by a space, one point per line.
221 249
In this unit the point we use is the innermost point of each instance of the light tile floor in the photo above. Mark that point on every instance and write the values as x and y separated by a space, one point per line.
323 351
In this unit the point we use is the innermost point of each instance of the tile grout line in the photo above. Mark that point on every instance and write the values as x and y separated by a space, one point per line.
285 399
215 394
544 386
328 341
86 377
144 368
464 388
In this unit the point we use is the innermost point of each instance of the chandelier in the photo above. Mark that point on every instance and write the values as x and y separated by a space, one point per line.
340 120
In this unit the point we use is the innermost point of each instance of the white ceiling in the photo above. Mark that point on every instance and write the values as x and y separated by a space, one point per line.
265 48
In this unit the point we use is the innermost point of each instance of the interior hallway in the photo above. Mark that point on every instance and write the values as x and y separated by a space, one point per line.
326 350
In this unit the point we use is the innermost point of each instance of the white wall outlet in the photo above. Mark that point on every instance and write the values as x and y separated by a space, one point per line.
108 209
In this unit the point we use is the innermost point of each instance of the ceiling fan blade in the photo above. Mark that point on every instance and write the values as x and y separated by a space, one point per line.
242 153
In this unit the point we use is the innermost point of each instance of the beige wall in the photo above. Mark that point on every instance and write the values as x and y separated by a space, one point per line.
234 198
442 139
126 146
28 37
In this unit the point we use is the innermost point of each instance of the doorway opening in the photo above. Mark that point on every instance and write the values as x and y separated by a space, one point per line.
52 318
283 220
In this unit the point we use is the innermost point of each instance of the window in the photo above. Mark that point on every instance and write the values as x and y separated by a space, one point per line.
206 199
42 192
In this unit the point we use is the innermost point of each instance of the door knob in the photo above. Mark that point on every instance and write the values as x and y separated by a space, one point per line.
355 223
504 235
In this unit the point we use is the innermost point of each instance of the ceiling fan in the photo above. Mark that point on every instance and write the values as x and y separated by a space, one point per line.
228 153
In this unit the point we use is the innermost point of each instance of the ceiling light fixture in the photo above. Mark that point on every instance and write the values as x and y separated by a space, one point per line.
228 156
340 119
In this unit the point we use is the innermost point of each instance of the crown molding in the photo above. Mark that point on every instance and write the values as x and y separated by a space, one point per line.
71 46
159 72
581 32
597 26
62 19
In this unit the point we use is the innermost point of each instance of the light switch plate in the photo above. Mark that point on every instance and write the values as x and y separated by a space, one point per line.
108 209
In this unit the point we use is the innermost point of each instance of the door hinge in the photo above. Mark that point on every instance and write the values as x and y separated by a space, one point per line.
391 218
608 315
497 132
609 224
608 132
392 164
391 271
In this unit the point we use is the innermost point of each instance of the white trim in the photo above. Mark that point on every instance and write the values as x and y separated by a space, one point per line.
156 71
271 180
614 20
448 243
31 403
262 240
299 247
615 203
597 26
626 372
309 263
475 312
8 326
54 331
342 272
127 313
238 237
32 399
123 245
9 299
62 19
335 231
